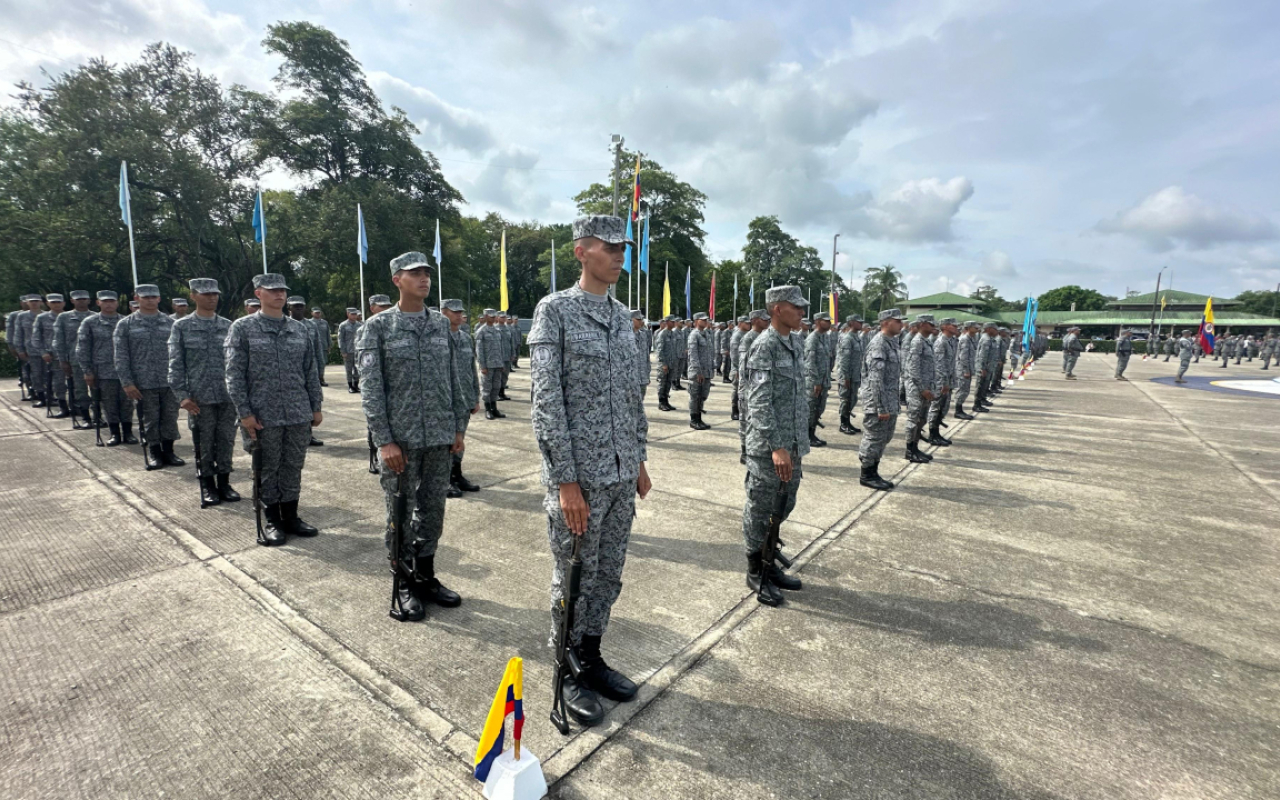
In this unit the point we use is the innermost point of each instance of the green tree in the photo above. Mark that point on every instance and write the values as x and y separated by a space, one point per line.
774 257
990 301
882 288
1065 297
1256 302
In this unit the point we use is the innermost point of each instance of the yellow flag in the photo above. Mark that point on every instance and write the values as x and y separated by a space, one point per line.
502 272
1164 298
666 294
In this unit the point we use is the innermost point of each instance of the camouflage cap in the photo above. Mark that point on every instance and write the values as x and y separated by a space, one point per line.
491 312
146 290
133 304
701 315
1186 332
177 301
742 320
990 324
353 311
1074 328
380 300
452 305
297 300
269 280
823 316
410 260
603 227
889 313
758 313
314 309
637 314
107 294
53 298
669 318
785 294
204 286
970 323
947 321
79 294
924 318
251 302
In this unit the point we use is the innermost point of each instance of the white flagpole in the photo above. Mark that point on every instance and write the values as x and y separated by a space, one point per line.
360 255
553 267
439 254
128 201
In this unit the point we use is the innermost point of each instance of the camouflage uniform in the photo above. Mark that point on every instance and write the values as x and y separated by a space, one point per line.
744 371
984 359
142 361
966 366
1071 349
944 365
735 346
1186 349
516 341
23 342
464 366
879 396
849 353
323 342
95 353
508 353
644 353
491 356
817 378
920 377
702 368
65 332
42 332
197 371
1124 350
681 336
668 363
347 333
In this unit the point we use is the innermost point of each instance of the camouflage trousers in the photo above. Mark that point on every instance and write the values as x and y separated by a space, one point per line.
848 397
963 385
763 487
284 452
506 375
491 383
938 408
1122 363
604 552
116 405
55 379
876 434
349 365
666 379
1183 363
698 391
37 370
82 403
817 405
644 391
917 412
426 473
215 427
158 409
1069 362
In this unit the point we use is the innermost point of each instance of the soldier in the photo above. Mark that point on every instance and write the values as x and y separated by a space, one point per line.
42 333
65 330
274 381
1241 346
984 361
1185 350
591 429
944 365
179 308
416 404
759 320
817 375
727 331
1002 351
347 332
778 430
377 304
1167 346
491 354
644 363
142 359
702 368
297 310
1072 349
251 306
1124 349
966 365
849 352
133 307
880 403
735 345
682 330
668 362
24 345
516 339
1268 351
464 365
1228 349
324 339
95 353
198 379
921 379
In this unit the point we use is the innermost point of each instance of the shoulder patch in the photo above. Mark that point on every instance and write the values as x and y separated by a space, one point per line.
368 359
542 356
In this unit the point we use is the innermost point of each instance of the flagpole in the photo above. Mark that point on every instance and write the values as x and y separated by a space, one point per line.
262 204
439 253
133 258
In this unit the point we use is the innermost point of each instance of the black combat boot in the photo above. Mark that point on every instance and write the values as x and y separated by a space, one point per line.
502 394
407 607
351 388
272 533
153 457
428 588
170 458
461 481
315 442
453 492
664 403
208 492
936 437
63 412
769 596
695 422
582 703
846 427
40 401
914 455
292 524
599 677
496 413
86 423
814 441
960 413
871 478
733 407
778 577
225 491
488 411
116 439
126 433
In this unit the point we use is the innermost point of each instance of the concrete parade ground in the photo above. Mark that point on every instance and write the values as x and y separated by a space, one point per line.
1079 599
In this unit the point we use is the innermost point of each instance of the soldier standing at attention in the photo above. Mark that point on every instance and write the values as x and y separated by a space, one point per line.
323 339
417 409
24 344
491 354
944 365
95 353
347 333
297 309
464 364
735 346
513 321
817 374
849 352
644 364
590 425
759 320
727 330
920 378
966 365
508 352
1268 350
777 435
274 382
198 378
668 362
880 403
1124 350
142 361
702 368
251 306
180 308
1186 348
983 357
1072 349
682 330
66 329
42 333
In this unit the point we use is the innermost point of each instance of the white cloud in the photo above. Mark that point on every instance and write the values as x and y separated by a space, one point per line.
917 211
508 183
998 264
1173 215
442 124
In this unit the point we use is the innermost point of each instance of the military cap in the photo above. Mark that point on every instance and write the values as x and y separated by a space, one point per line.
53 298
947 321
742 319
79 294
315 309
252 302
758 313
686 319
925 318
970 323
1074 328
202 286
269 280
1186 332
852 318
107 294
701 315
490 312
297 300
889 313
146 290
452 305
177 301
603 227
986 325
822 315
669 318
133 304
410 260
353 311
380 300
785 294
27 298
637 314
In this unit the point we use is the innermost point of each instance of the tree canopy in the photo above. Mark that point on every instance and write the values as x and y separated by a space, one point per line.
1064 298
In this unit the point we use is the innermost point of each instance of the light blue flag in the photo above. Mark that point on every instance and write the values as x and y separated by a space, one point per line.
125 216
751 296
362 238
688 291
259 220
644 248
626 258
437 253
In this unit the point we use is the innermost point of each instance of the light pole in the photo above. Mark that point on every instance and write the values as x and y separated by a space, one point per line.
1155 299
618 141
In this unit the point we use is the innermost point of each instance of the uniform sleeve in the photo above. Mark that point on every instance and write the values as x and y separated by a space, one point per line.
84 348
123 358
461 410
60 339
759 397
236 356
811 365
373 391
312 376
548 413
177 365
873 381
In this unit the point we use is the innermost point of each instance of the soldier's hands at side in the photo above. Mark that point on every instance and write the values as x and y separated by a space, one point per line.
574 507
643 484
48 359
484 371
66 369
782 464
817 391
392 457
883 417
927 395
251 426
476 410
132 393
458 444
191 406
316 419
90 381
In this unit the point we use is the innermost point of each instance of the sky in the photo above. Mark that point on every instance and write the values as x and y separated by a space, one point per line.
1024 145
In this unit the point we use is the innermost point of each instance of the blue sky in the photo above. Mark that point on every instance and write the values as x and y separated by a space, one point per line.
1026 145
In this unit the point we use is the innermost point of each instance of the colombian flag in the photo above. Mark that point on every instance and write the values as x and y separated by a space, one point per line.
508 700
1206 328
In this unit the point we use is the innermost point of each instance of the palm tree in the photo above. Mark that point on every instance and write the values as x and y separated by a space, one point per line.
884 282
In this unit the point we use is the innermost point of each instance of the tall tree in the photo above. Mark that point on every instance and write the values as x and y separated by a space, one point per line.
1072 297
883 288
773 256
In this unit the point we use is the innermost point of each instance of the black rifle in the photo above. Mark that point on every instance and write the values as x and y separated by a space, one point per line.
769 549
97 415
566 657
374 469
195 443
24 380
142 433
71 403
399 510
48 390
255 457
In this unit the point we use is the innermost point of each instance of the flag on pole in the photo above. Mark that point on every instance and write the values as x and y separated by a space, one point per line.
644 248
362 238
438 254
688 291
666 291
751 297
502 272
1206 335
626 257
553 267
509 699
259 220
711 307
1164 299
635 197
125 216
834 308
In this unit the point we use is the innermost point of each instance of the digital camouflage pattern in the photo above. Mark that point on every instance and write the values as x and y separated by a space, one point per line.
142 350
271 371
